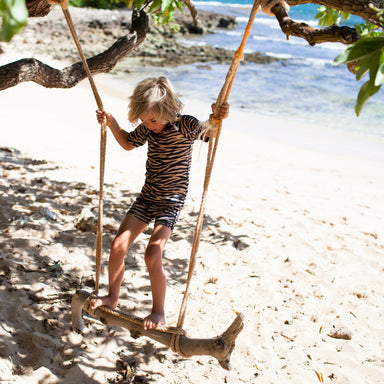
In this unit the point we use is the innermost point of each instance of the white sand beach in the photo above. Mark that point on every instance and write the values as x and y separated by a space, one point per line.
293 240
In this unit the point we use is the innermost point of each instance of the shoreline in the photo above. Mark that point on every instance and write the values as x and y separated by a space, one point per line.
292 134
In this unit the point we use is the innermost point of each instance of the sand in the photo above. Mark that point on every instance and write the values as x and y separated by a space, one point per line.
293 239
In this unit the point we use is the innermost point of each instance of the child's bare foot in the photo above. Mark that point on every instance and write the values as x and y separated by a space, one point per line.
108 301
154 320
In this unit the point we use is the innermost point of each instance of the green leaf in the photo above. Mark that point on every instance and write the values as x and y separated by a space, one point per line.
362 68
360 49
368 29
165 4
328 16
366 91
14 14
155 6
180 6
345 15
379 79
374 65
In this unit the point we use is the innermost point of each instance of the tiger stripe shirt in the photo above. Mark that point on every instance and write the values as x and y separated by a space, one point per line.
169 158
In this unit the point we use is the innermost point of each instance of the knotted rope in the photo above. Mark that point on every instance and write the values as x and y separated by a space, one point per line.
212 149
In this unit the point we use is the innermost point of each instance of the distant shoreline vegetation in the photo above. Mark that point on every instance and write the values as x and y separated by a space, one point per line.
98 4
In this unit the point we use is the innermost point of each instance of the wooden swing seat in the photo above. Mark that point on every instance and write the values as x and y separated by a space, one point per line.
219 347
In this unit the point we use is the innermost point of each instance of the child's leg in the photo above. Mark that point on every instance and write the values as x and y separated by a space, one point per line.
153 260
129 229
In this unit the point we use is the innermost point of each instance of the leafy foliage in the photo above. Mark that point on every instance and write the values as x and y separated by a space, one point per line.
14 14
98 4
368 29
162 11
369 53
329 16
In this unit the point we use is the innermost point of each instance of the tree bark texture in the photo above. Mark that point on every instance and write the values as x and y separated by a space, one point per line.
355 7
34 70
333 33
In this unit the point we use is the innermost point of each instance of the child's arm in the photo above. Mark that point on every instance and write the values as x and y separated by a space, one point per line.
120 135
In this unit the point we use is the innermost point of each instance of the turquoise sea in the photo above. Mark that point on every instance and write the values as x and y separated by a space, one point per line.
303 86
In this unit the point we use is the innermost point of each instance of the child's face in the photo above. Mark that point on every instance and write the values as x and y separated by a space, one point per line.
152 122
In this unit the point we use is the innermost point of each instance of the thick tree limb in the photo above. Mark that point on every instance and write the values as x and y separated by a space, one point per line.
355 7
34 70
219 347
334 33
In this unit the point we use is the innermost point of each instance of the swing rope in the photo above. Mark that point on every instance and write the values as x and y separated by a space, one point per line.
103 144
216 122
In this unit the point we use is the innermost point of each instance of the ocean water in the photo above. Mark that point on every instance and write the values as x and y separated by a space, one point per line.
304 85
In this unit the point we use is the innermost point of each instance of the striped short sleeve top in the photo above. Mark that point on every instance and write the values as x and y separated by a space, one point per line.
169 158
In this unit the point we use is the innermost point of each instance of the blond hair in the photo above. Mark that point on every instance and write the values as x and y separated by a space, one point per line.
157 96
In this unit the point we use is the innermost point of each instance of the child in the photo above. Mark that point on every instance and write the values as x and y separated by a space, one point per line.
170 137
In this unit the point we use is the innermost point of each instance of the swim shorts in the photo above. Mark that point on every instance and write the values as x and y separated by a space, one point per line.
162 212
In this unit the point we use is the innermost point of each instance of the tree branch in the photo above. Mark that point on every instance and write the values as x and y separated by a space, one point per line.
356 7
334 33
30 69
194 14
